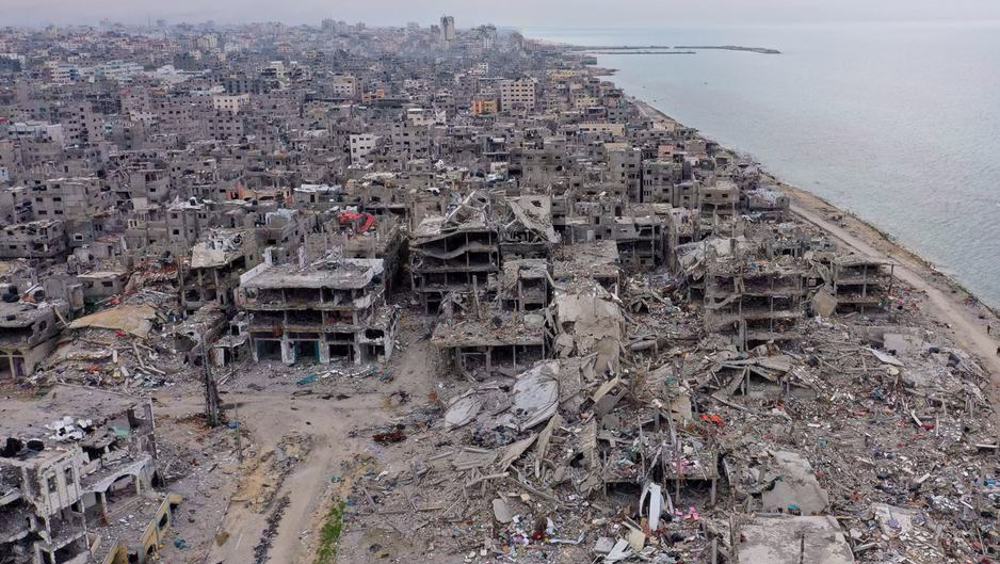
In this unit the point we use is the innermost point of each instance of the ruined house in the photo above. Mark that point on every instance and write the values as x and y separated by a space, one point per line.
751 300
527 230
525 284
363 235
215 267
66 479
861 283
597 261
489 344
719 199
36 239
27 336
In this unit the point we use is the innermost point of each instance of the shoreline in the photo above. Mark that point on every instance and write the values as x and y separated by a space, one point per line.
888 238
818 202
625 49
949 303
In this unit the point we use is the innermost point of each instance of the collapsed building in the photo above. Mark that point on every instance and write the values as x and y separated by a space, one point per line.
215 267
526 229
494 343
454 253
752 300
597 261
66 480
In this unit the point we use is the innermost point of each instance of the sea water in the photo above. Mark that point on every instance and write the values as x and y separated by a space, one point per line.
897 122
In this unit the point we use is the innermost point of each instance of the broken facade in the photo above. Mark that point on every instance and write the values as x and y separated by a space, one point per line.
332 309
63 481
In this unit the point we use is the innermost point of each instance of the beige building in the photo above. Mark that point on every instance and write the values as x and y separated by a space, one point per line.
345 86
517 94
232 104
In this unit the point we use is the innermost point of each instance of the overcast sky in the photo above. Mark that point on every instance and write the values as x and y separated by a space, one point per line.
523 13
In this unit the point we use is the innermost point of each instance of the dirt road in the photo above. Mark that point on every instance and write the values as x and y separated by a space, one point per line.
941 304
328 422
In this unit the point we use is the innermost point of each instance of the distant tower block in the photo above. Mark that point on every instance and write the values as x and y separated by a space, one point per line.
447 28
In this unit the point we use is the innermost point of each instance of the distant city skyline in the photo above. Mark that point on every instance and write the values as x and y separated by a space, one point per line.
519 13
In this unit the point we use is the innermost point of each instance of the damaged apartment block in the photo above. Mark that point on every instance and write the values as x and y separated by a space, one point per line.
35 239
27 335
215 268
861 283
66 480
752 300
489 345
331 309
457 252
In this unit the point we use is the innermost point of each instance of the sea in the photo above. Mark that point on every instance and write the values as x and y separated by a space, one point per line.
898 122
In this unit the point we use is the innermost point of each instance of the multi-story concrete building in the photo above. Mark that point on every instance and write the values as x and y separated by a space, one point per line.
361 145
448 33
332 309
345 86
231 103
64 478
215 267
517 94
36 239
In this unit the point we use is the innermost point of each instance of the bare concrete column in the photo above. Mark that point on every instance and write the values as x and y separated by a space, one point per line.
324 351
287 351
102 497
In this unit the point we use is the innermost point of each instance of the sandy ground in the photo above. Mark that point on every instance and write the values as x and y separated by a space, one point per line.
337 415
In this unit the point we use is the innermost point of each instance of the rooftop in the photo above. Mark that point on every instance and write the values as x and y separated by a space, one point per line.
328 272
27 418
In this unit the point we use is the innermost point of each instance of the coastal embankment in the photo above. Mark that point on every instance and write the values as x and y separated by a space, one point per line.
664 49
950 305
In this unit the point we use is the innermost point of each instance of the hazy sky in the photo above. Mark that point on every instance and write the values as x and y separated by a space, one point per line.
548 13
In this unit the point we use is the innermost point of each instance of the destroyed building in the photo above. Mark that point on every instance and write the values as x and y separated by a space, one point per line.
527 230
215 266
497 342
751 300
66 479
27 333
36 239
597 261
525 284
331 309
861 283
454 253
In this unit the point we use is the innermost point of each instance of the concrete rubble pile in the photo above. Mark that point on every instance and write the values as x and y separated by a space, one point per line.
874 441
649 434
